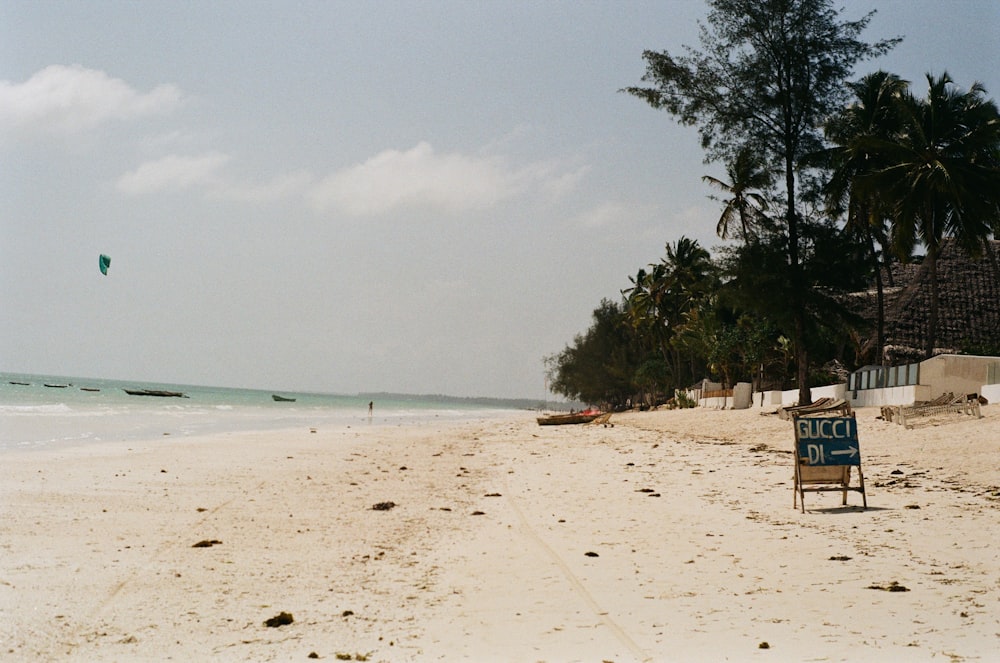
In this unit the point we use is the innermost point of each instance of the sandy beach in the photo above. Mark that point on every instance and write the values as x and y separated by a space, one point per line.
670 536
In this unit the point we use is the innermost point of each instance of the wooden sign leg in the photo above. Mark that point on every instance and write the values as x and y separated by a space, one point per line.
801 489
864 495
795 488
847 482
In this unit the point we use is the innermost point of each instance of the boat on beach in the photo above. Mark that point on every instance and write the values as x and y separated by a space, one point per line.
282 399
584 417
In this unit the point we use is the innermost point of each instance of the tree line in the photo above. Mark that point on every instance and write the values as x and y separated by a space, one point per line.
828 182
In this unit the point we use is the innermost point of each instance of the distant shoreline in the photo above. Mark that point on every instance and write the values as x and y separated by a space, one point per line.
19 378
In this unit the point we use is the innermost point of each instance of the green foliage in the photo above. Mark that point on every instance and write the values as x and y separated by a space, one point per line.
660 299
747 203
770 77
598 367
768 74
940 170
683 401
650 379
821 376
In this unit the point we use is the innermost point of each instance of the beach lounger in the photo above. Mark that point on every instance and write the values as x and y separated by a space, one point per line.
830 406
943 404
820 406
894 412
787 413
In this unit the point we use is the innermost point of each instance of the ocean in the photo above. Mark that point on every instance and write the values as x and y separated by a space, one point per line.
45 411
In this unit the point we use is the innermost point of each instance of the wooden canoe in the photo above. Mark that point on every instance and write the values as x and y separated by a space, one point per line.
573 418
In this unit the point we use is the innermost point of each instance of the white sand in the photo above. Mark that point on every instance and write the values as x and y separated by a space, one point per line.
97 563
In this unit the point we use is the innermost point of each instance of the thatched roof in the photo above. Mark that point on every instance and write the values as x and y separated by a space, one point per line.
968 311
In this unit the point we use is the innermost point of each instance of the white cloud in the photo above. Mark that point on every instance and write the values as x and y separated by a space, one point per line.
555 182
421 177
74 98
389 180
173 173
207 172
282 186
614 215
171 139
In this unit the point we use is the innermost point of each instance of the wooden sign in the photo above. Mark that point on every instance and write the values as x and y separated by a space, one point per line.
826 448
828 440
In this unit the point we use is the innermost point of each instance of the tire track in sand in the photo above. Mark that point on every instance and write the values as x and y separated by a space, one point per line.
140 569
613 626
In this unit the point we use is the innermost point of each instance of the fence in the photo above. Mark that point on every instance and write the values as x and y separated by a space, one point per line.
882 377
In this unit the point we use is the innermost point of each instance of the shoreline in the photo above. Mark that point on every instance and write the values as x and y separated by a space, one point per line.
670 536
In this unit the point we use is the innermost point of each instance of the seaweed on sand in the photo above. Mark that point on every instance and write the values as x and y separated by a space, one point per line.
281 619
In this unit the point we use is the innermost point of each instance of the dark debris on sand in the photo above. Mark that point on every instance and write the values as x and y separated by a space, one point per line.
893 586
280 619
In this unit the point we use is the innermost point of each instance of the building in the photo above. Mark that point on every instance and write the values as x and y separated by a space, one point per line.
968 307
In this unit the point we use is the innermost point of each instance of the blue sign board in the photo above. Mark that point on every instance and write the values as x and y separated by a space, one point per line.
828 440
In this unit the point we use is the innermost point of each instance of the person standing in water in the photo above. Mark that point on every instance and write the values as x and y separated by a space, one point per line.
371 406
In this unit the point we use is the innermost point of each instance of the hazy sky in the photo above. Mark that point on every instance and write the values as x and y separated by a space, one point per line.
354 196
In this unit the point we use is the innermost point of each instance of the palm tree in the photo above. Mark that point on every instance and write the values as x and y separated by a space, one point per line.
663 293
941 175
644 305
745 202
872 116
693 278
690 267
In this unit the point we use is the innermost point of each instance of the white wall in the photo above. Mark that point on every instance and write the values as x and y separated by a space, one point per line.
768 399
891 396
740 400
742 395
774 399
958 374
716 403
991 392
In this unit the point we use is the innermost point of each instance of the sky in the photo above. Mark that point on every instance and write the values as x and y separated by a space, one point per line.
353 196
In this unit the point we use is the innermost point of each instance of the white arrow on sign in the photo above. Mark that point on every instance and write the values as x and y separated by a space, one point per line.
850 451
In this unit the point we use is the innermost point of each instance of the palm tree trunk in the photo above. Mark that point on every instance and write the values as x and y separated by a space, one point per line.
879 235
802 361
932 314
678 369
880 300
798 314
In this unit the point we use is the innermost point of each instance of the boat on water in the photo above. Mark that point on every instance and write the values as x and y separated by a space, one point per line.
155 392
282 399
89 389
56 386
584 417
